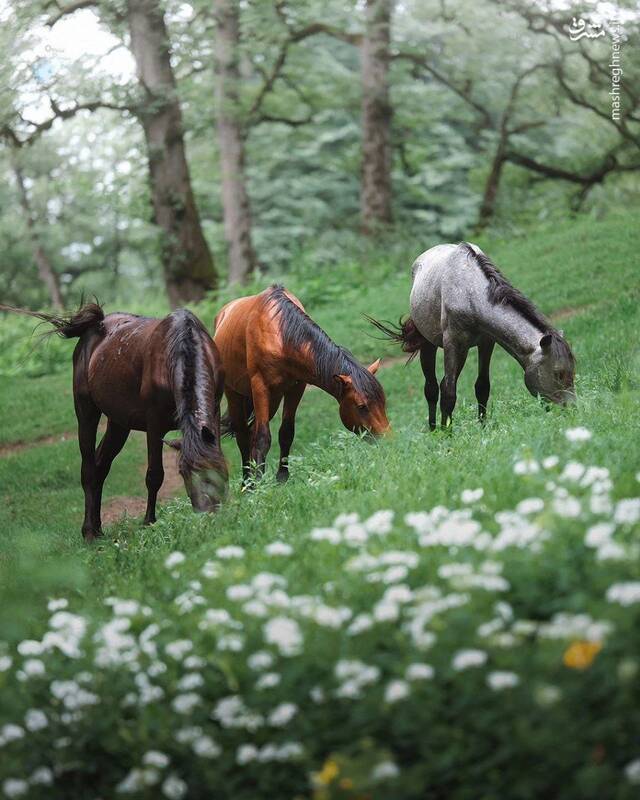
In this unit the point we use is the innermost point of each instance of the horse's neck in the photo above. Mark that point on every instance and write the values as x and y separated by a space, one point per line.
304 368
519 337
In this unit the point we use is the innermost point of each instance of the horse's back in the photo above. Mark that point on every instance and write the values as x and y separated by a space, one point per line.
445 290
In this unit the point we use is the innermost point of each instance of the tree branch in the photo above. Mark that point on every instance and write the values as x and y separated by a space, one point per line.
63 11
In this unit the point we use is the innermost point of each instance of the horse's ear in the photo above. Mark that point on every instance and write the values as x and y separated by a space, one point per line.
175 443
546 340
561 332
373 368
208 435
345 380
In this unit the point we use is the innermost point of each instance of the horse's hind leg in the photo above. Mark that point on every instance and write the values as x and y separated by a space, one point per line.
428 353
88 415
237 409
483 384
455 355
155 473
288 428
111 444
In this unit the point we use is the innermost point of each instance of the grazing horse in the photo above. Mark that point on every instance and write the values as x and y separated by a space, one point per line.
271 350
460 300
149 375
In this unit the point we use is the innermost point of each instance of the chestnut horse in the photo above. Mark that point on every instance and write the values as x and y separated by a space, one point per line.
271 350
149 375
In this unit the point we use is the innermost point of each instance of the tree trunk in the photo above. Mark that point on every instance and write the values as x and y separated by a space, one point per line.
375 200
488 204
47 274
235 201
188 265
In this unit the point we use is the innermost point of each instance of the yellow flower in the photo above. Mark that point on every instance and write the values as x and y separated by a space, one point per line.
328 772
580 655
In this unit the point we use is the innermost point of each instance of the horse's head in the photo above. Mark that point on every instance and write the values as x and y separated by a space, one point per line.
362 402
203 468
551 371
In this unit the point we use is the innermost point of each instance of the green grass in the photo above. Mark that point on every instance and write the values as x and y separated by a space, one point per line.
587 270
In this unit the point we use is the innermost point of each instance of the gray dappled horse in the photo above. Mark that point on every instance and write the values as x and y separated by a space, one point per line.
460 300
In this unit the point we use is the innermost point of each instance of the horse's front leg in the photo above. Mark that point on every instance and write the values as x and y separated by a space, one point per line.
455 354
288 428
155 473
261 435
112 443
483 384
428 354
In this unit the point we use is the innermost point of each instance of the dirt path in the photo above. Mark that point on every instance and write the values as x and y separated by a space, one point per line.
119 506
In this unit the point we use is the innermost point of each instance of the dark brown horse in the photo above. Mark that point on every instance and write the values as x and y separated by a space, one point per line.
149 375
271 349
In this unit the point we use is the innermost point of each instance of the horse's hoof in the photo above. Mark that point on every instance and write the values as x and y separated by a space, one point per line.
92 536
282 476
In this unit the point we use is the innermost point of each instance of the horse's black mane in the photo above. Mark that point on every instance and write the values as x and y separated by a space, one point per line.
298 329
501 292
184 344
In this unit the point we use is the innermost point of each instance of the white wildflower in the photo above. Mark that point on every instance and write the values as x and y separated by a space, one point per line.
627 511
185 703
567 507
396 690
379 523
189 682
632 771
5 663
419 672
342 520
179 648
14 787
211 569
550 462
268 680
154 758
35 720
57 604
174 559
625 594
10 733
285 634
499 680
470 496
384 771
41 776
531 505
282 714
230 551
205 747
174 788
527 466
599 534
260 660
330 535
30 647
246 753
464 659
278 549
578 434
361 623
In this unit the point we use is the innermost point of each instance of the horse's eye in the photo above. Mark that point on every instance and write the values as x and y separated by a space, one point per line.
363 407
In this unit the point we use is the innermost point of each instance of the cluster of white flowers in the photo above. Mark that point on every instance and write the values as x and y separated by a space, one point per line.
257 625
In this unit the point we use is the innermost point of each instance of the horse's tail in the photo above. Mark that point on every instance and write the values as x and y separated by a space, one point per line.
69 326
405 333
226 426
